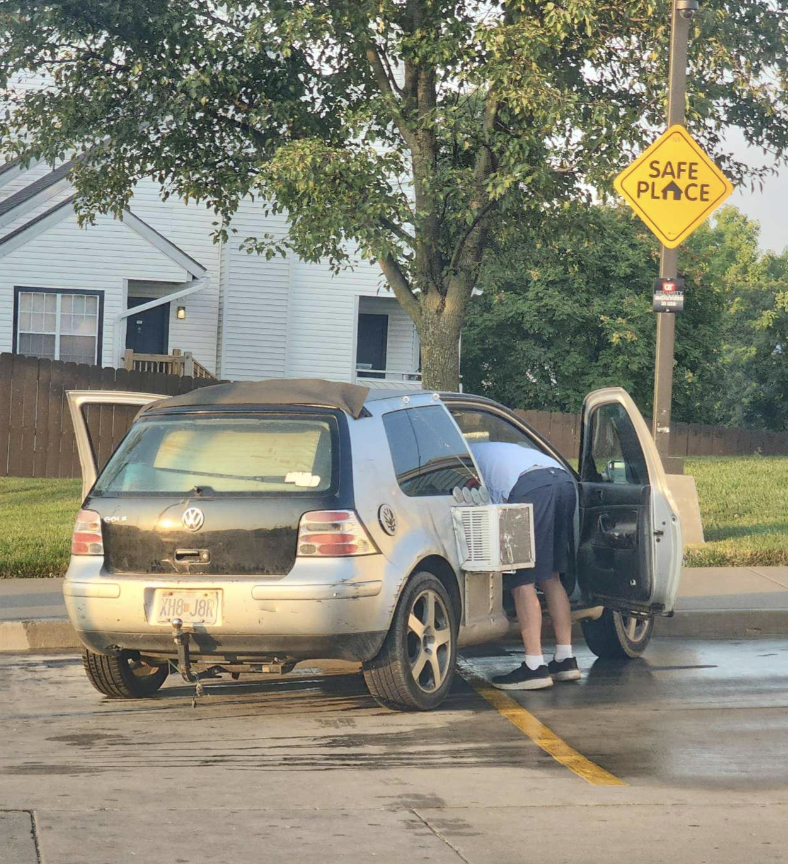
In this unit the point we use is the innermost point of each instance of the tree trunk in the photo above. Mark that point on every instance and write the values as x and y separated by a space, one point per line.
439 334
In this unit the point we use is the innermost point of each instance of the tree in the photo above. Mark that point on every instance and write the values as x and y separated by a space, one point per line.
566 308
754 338
397 128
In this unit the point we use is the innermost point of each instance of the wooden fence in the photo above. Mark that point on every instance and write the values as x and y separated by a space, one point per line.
687 439
36 435
37 438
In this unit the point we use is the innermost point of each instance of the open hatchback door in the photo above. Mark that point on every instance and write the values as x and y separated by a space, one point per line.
78 403
630 550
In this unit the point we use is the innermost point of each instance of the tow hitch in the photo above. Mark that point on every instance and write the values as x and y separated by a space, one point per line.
181 640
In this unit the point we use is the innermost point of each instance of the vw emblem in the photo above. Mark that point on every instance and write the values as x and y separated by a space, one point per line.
193 519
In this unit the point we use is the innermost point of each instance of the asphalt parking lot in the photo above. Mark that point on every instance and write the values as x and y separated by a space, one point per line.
679 756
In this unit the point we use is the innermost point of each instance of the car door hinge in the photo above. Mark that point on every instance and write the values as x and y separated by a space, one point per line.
659 533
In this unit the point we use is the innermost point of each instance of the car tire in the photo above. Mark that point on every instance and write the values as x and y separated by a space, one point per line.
122 676
617 636
414 669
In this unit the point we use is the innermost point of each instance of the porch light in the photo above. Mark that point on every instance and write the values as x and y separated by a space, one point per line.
181 313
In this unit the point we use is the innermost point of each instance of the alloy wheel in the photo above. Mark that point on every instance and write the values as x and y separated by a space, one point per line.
635 628
429 641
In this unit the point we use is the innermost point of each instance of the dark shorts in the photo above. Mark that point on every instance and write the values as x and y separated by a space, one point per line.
553 495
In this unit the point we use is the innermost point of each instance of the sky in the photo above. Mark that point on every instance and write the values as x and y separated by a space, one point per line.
770 206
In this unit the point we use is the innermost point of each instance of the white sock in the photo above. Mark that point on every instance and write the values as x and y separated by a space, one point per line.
534 661
563 652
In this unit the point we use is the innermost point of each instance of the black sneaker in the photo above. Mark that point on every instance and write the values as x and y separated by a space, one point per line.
524 678
565 670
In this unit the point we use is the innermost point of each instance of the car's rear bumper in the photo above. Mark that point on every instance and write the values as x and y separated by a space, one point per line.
240 648
317 611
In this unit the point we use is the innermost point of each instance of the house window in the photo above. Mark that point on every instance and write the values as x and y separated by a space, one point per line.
59 325
371 345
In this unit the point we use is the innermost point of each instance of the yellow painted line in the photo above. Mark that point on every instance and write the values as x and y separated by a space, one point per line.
539 733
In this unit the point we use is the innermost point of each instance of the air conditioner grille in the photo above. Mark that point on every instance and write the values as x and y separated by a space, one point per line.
476 525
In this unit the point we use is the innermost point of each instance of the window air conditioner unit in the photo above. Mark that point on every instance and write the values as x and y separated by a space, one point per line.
495 537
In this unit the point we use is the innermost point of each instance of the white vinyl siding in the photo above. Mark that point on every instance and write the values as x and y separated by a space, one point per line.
99 258
256 298
256 319
322 322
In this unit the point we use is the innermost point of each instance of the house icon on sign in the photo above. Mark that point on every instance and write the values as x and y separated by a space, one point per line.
672 189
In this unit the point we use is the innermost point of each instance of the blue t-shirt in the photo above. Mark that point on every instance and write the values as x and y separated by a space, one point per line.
502 464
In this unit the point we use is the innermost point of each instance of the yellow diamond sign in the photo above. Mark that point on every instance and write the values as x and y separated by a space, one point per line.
674 186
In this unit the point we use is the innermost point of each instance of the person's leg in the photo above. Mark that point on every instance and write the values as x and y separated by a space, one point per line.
533 488
533 674
558 607
563 666
529 617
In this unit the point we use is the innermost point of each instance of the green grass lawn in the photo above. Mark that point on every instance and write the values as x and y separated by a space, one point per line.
36 518
744 506
743 500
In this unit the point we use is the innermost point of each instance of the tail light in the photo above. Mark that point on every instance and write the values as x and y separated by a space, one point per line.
333 534
87 538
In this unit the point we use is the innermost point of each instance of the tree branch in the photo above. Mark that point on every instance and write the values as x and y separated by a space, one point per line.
398 231
460 244
400 286
387 90
389 71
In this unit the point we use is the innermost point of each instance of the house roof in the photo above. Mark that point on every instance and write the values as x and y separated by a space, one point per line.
32 189
35 220
131 220
310 392
7 166
157 239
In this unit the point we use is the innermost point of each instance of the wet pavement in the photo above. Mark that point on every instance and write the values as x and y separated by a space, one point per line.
309 768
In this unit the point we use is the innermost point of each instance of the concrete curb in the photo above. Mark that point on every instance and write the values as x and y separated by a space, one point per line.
42 635
725 624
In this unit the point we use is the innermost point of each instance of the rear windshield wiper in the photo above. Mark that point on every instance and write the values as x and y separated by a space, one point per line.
258 478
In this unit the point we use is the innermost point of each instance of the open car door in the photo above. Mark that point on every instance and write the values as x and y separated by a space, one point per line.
87 449
630 550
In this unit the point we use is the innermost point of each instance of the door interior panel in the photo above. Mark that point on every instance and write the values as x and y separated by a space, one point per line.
615 549
614 541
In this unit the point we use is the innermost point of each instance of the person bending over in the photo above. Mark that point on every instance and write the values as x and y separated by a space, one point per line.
518 475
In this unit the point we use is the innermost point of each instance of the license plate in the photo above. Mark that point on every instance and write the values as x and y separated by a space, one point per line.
192 607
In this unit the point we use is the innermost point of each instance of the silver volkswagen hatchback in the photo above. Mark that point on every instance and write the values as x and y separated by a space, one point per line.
246 527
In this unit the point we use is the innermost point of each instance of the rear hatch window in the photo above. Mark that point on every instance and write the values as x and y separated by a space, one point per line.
250 476
223 455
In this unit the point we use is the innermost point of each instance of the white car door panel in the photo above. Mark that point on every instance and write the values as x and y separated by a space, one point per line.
78 401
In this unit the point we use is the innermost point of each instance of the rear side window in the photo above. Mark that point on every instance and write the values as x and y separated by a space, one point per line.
240 454
482 427
430 456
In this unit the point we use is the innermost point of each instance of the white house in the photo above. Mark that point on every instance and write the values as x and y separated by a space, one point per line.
155 282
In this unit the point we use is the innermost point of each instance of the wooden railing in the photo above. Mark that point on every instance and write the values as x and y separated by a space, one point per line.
177 363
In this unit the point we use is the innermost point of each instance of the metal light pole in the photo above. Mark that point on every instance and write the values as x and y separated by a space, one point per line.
666 321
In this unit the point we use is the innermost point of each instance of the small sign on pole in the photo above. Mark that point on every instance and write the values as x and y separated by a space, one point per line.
669 295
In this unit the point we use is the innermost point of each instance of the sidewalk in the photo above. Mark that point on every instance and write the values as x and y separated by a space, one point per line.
729 603
714 603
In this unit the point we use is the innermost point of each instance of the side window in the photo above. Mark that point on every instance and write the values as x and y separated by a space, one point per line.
611 449
479 427
429 455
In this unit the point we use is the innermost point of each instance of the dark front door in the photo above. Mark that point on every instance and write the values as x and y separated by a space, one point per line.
146 332
373 334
